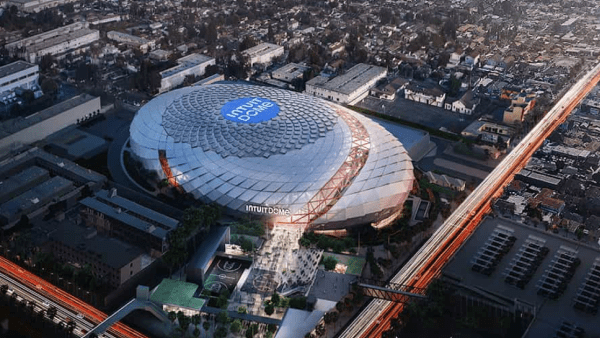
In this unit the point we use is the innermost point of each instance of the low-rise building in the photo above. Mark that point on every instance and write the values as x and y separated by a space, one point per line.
176 295
112 261
290 72
20 131
263 53
433 95
489 132
121 218
58 42
347 88
190 65
465 105
445 181
35 6
131 40
521 104
19 74
34 198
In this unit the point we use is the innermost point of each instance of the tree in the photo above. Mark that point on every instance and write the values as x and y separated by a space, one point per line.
222 317
236 326
51 312
275 299
269 309
172 316
206 326
329 262
49 87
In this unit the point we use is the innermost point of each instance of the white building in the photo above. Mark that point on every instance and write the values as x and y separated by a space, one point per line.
465 105
348 88
19 74
131 40
67 39
290 72
193 64
34 6
263 53
431 96
37 126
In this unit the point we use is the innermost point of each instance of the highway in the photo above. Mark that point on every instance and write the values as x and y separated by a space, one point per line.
428 262
39 290
41 303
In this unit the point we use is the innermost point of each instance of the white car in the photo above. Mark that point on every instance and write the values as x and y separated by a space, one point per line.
46 304
80 316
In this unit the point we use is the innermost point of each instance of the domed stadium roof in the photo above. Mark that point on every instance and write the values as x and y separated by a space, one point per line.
263 150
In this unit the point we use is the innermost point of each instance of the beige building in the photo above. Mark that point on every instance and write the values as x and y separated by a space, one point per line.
263 53
520 105
68 39
20 131
347 88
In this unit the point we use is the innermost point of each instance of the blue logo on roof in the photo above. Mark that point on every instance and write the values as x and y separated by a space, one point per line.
250 110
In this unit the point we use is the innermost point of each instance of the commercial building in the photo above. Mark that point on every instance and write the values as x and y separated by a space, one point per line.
128 221
34 198
433 95
290 72
190 65
489 132
176 295
34 6
110 260
348 88
34 180
131 40
20 131
68 39
288 157
19 74
263 53
520 105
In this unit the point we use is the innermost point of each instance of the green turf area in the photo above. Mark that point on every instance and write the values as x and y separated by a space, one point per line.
354 264
174 292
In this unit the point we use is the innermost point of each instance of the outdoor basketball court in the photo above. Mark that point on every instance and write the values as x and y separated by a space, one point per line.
224 273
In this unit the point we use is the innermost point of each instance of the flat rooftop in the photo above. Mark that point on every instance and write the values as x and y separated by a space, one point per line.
15 67
261 49
42 193
111 251
128 205
349 82
178 293
185 63
60 39
17 182
16 124
123 217
550 313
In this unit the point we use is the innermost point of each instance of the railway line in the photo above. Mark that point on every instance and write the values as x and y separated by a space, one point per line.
428 262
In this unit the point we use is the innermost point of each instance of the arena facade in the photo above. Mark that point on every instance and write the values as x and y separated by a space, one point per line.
289 157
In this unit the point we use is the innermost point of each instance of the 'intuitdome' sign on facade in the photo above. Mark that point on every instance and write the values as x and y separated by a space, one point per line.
250 110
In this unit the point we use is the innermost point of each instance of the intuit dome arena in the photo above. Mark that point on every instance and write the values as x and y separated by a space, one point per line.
289 157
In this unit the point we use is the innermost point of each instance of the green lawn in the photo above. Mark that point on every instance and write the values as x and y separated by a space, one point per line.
354 264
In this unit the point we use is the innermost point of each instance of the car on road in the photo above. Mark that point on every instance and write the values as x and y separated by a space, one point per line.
80 316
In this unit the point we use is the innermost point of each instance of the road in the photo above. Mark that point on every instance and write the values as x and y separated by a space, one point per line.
70 305
42 304
428 262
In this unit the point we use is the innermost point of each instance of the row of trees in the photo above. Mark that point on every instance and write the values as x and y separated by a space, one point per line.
185 238
23 312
